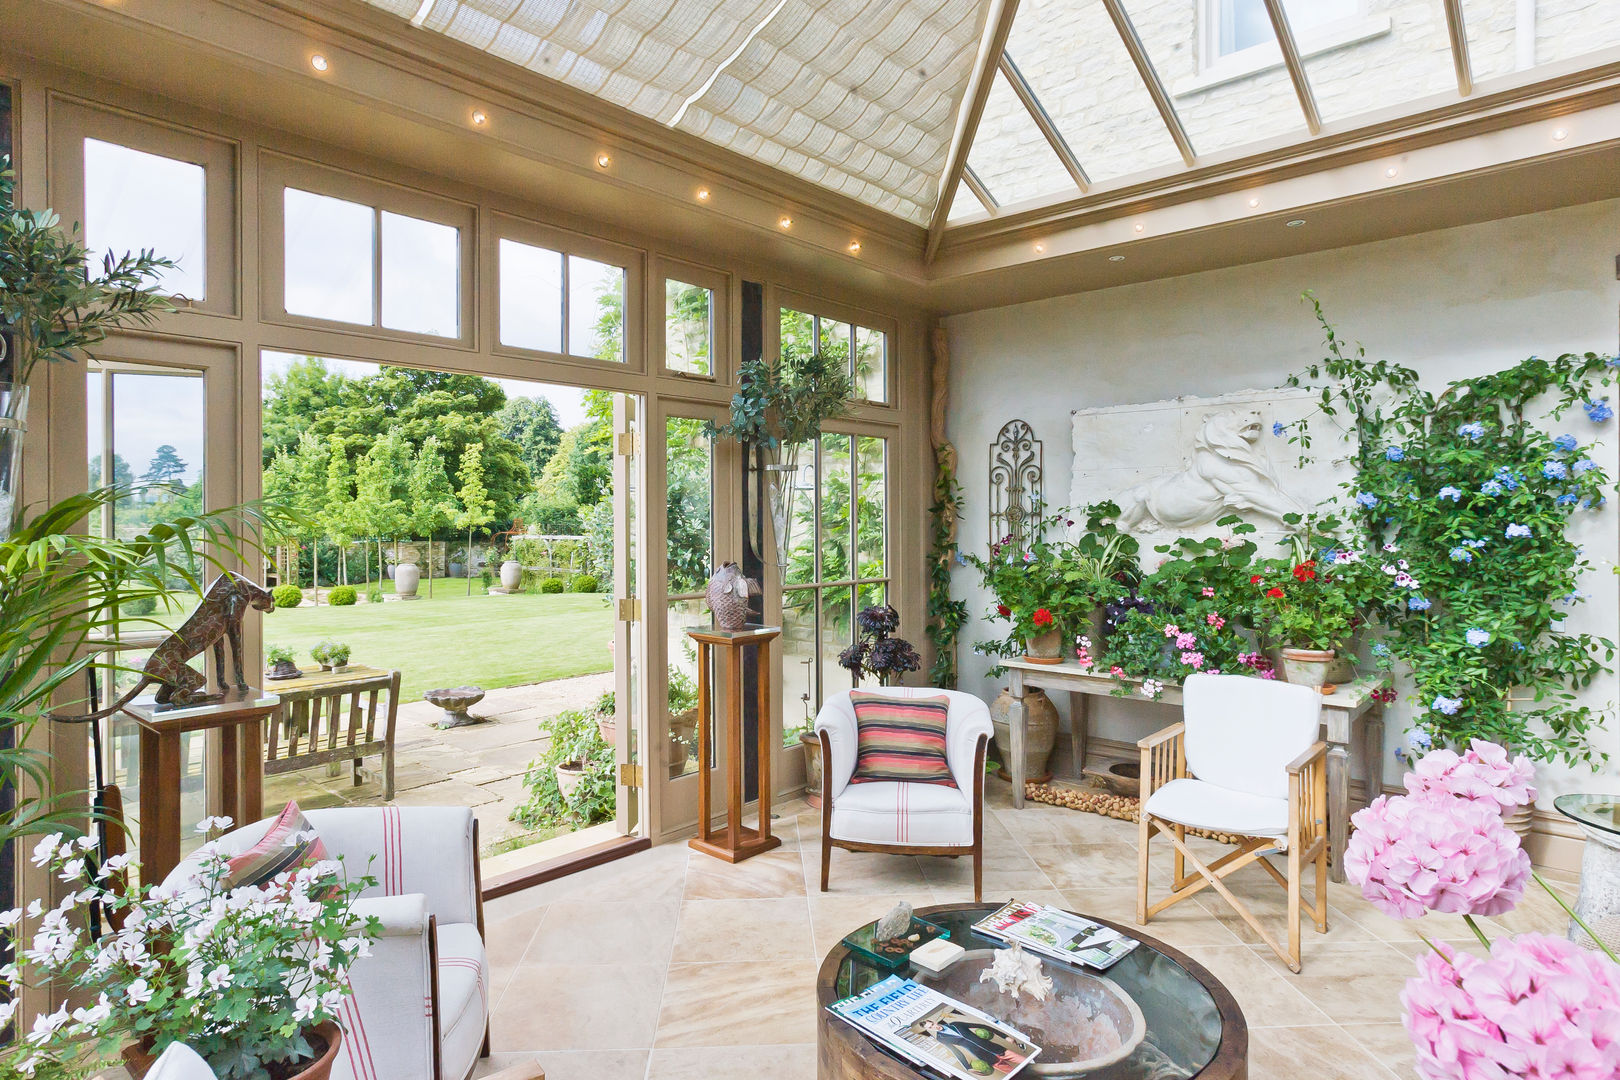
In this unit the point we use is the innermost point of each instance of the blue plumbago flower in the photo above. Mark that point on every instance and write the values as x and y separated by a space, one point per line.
1585 465
1474 431
1278 428
1507 478
1475 544
1380 649
1554 470
1566 443
1566 499
1598 411
1394 453
1417 603
1328 555
1613 361
1518 646
1515 530
1367 499
1477 637
1462 555
1452 493
1447 705
1490 487
1418 739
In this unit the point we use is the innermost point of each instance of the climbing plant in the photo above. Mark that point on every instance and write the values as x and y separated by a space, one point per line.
946 617
1467 498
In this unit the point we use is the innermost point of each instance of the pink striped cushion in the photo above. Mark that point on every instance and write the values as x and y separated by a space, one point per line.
289 845
901 739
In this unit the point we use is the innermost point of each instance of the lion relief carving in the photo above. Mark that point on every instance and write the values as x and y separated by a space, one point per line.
1227 473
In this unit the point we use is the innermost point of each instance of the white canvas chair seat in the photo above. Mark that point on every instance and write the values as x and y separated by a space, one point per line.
897 813
904 818
1245 761
1202 805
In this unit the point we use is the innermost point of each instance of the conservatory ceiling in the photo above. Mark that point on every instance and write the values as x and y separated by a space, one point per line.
944 112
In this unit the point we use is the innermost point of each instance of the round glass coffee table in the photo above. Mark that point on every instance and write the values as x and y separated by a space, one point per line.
1194 1026
1599 902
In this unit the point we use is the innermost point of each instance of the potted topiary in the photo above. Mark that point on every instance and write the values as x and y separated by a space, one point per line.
282 665
331 655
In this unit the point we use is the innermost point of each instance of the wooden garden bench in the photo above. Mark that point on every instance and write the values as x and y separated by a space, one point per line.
331 716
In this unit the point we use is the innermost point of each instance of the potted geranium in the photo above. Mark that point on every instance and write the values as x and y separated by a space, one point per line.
1305 606
251 978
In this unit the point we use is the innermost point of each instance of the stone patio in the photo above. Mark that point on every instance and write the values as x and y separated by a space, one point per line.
480 765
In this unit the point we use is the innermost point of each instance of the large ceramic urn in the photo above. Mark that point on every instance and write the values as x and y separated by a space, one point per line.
1040 733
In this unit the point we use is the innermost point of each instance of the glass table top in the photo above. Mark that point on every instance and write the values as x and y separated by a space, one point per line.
1597 811
1183 1019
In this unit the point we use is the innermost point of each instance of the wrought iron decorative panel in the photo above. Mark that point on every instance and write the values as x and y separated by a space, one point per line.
1015 484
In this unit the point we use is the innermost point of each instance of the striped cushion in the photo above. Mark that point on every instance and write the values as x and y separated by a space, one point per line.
277 853
901 739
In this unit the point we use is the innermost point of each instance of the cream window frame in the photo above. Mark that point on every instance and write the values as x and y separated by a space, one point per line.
278 172
860 408
72 121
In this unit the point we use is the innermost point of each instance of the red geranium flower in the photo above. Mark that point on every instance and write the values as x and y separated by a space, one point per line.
1275 593
1306 570
1003 610
1255 580
1042 617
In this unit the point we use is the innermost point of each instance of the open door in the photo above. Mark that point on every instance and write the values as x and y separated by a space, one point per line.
629 637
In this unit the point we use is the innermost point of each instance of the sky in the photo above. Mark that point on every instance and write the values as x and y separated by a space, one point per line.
151 411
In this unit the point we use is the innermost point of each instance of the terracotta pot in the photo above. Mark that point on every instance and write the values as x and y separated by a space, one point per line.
812 767
1045 648
1307 667
608 726
1040 733
569 777
138 1059
1519 819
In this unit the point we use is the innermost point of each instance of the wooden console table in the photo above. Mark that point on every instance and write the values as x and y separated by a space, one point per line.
736 842
1348 708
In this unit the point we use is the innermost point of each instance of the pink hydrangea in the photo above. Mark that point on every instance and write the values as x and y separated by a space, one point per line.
1483 775
1412 855
1538 1007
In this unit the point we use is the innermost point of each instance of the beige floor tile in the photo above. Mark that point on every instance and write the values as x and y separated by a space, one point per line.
579 1007
653 875
733 1063
738 1004
1352 983
773 874
723 931
856 872
1389 1043
1322 1053
577 932
1086 866
998 890
583 1064
1184 926
832 917
1263 993
1038 823
505 941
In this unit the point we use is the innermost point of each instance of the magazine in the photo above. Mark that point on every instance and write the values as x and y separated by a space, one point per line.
929 1029
1056 933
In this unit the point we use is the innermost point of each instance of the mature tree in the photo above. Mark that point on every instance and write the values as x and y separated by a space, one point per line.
297 482
339 518
294 401
382 491
167 469
122 474
532 424
477 511
432 502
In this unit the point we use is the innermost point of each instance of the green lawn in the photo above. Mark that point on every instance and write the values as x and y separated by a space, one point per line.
454 639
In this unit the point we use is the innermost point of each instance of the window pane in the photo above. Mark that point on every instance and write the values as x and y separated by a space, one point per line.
837 625
871 524
871 364
873 594
798 329
134 201
688 327
833 338
799 700
595 310
531 297
328 257
421 276
1010 156
688 499
836 563
801 559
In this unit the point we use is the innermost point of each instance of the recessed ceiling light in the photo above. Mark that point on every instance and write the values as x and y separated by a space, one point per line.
703 194
1254 201
1296 223
603 161
318 62
1140 226
785 222
1560 134
1116 258
1040 249
480 118
854 247
1391 172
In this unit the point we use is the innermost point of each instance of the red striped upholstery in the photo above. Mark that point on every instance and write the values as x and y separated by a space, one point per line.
901 739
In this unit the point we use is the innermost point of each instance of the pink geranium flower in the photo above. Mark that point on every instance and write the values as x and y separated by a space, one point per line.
1538 1007
1414 855
1483 774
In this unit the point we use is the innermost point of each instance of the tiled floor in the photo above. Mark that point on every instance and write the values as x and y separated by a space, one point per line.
650 968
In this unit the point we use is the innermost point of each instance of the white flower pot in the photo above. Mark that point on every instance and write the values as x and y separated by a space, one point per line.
511 575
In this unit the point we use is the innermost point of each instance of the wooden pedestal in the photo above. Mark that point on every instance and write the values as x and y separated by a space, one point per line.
736 841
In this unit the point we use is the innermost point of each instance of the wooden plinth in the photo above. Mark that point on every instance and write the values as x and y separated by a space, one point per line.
736 841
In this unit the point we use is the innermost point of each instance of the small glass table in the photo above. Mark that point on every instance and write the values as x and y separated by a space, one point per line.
1599 902
1194 1026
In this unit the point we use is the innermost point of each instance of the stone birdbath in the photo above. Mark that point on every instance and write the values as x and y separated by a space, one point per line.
455 702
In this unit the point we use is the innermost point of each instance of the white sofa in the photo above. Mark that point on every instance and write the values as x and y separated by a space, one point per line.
420 1008
905 818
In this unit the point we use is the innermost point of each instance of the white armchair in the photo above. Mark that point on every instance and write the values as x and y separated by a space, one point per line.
420 1008
1244 762
905 818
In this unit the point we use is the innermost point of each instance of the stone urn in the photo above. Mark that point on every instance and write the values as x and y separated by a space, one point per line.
812 767
511 575
406 578
1040 733
727 594
457 569
1045 648
1307 667
455 701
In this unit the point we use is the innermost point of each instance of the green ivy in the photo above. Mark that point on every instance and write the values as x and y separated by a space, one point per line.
946 617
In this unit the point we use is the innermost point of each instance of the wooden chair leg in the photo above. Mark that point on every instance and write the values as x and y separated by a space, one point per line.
1320 911
978 873
1144 834
826 859
1180 878
1294 872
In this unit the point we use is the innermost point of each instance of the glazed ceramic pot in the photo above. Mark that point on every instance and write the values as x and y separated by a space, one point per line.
1307 667
569 777
1040 733
1045 648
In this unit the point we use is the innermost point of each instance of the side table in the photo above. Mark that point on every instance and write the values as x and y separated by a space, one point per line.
736 842
1599 902
239 719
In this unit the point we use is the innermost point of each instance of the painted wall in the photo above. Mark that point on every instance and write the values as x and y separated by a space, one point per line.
1448 303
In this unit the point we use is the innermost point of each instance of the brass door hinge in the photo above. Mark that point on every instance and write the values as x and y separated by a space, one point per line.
630 609
630 775
627 443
